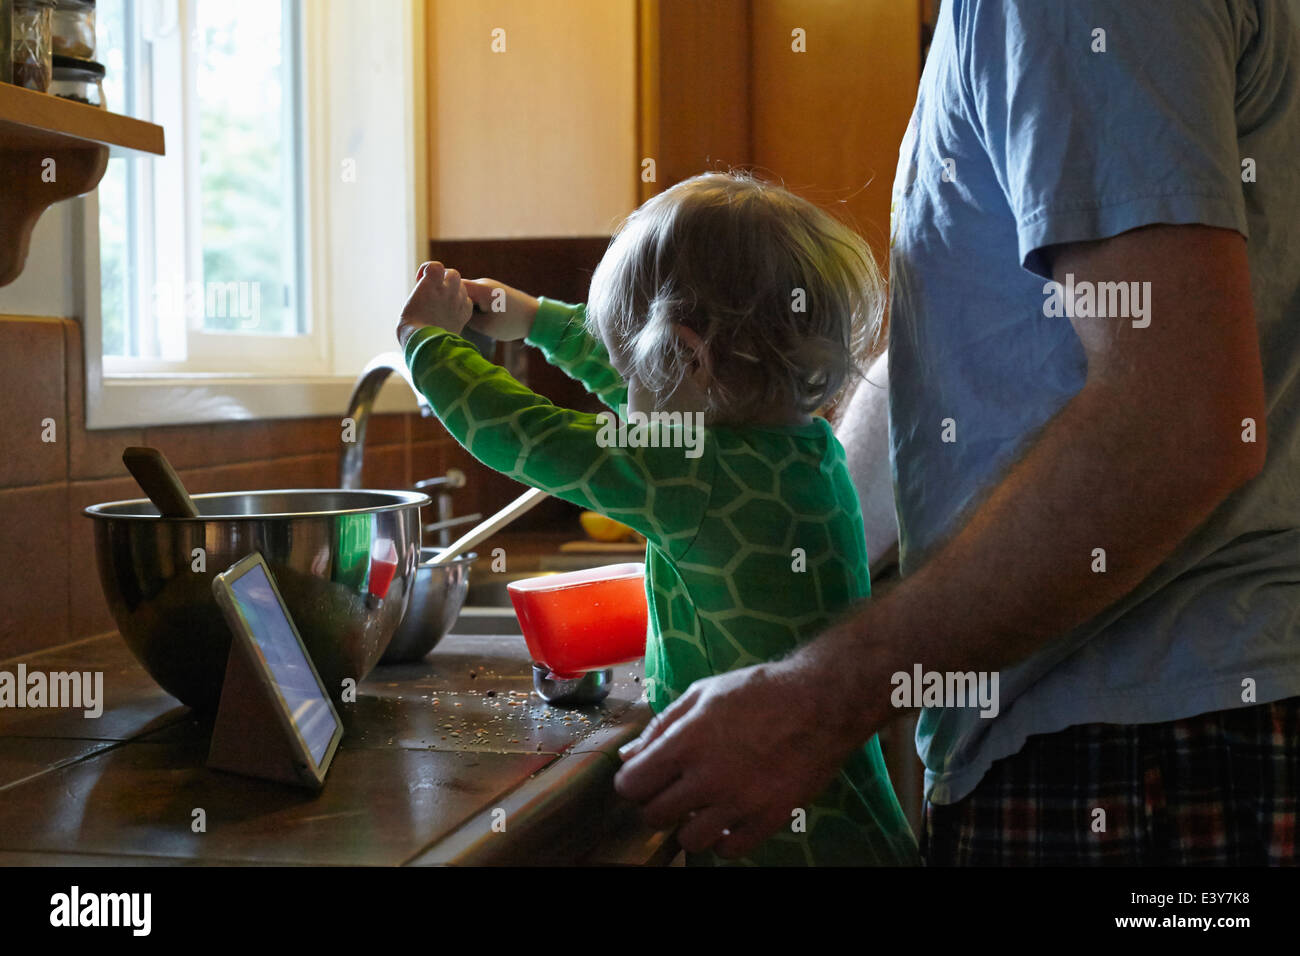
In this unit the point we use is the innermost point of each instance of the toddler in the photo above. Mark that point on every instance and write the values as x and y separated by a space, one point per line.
731 302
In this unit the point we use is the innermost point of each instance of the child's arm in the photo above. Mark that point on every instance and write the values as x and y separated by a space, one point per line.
560 331
661 492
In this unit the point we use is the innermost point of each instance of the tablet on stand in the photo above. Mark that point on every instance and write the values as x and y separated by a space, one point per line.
275 720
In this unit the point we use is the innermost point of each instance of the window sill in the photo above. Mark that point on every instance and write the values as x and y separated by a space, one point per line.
146 399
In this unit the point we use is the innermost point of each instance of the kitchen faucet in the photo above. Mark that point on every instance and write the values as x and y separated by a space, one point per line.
352 457
362 403
454 478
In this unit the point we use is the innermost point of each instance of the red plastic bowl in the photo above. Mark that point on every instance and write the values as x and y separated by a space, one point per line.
583 620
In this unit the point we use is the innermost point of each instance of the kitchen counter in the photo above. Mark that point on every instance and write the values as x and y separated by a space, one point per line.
451 761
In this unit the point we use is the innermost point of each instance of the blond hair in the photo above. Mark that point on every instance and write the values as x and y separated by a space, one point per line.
787 300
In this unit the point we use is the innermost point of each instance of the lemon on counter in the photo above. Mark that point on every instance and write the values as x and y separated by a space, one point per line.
600 528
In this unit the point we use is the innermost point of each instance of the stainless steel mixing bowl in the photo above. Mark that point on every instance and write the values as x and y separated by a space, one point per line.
328 549
436 599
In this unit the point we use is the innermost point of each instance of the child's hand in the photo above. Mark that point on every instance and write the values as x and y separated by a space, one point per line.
503 313
438 299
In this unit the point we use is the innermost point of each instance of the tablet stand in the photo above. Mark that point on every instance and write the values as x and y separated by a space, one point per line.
248 738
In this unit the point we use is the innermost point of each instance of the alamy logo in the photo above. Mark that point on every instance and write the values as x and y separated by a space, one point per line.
76 689
652 430
75 908
195 301
1098 300
947 689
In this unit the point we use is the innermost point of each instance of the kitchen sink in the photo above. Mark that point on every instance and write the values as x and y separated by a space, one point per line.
491 590
487 607
486 620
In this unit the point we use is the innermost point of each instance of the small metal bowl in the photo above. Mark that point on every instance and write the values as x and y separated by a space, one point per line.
591 688
436 599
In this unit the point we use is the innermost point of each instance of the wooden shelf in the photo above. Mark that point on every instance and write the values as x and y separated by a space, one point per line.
53 149
38 120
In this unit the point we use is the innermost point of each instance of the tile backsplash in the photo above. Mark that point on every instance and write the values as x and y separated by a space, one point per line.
49 586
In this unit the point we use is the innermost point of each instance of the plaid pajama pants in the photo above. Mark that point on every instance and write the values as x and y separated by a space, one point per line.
1215 789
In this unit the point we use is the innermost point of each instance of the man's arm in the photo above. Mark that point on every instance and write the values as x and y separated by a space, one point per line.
1147 449
1144 452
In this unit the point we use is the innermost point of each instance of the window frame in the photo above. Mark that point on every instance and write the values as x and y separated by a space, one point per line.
223 378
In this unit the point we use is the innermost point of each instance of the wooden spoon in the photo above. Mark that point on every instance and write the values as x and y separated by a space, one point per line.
154 473
485 529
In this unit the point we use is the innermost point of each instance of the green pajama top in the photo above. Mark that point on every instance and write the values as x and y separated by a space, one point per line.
755 545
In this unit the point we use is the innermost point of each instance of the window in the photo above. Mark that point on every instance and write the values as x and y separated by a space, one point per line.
202 251
253 270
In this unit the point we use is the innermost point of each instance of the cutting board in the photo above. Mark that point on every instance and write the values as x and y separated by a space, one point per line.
636 548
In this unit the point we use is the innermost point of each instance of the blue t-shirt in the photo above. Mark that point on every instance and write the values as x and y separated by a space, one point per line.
1041 122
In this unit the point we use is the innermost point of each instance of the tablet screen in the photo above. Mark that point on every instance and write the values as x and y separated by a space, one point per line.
294 679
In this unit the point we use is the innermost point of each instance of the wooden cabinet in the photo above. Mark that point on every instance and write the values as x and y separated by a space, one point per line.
531 117
694 107
542 115
828 121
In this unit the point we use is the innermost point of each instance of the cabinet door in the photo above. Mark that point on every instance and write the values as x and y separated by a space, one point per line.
829 120
693 109
532 117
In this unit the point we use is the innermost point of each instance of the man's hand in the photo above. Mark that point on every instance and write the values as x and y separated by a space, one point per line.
731 759
501 312
437 299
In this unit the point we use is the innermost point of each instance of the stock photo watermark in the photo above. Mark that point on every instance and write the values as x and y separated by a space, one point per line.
78 909
75 690
1098 300
652 430
196 301
956 689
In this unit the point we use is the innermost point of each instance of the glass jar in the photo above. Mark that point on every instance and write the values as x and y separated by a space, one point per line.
6 41
79 80
72 27
32 49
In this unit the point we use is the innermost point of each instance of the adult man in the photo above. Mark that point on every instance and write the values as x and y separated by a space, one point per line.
1100 506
